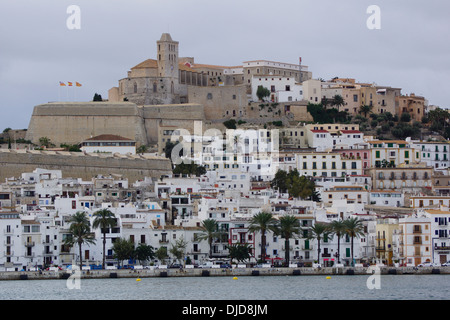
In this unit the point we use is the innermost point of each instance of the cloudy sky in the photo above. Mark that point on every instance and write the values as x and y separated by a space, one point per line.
37 49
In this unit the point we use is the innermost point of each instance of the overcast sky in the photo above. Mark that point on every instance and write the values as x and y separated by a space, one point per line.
37 49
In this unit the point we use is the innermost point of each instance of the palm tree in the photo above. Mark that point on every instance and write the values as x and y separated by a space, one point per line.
80 232
365 109
262 222
353 228
104 219
337 227
319 231
288 227
338 100
210 229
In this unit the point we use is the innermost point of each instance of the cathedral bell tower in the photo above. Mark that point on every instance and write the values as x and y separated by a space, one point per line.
168 58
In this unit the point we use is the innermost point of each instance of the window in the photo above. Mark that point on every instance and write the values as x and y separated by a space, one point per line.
209 96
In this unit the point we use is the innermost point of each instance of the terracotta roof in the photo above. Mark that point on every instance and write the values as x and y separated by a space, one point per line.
149 63
108 137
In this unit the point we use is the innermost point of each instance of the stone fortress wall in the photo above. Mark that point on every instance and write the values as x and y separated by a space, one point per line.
79 165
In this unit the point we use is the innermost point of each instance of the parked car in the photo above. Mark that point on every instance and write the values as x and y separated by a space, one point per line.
446 264
206 265
225 265
428 264
175 266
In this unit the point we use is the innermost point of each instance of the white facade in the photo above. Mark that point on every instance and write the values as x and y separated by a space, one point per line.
282 89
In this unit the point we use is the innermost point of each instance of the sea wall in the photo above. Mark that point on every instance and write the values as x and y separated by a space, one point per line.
235 272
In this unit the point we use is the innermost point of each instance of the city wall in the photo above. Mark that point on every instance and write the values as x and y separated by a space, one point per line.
79 165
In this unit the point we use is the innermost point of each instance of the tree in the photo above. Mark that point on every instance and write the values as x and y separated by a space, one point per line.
239 251
263 222
280 181
318 232
161 254
262 92
123 249
189 169
142 149
45 142
354 228
178 250
337 227
288 227
365 109
104 219
210 229
80 232
230 124
144 252
338 100
97 97
405 117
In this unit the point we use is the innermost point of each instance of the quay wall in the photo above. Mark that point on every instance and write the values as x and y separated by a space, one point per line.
235 272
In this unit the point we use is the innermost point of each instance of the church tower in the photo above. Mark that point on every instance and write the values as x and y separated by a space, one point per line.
167 57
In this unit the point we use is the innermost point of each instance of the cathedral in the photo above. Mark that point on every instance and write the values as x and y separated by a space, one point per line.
160 81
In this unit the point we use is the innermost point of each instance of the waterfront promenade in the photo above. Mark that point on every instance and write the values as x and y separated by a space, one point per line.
235 272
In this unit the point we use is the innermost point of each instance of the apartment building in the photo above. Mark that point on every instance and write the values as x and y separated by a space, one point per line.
415 240
394 152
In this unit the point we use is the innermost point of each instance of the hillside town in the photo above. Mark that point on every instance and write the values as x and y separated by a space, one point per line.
196 165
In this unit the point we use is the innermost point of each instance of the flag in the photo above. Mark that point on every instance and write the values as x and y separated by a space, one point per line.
62 84
70 83
78 84
300 60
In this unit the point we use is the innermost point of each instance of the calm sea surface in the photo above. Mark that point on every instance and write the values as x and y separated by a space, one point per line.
391 287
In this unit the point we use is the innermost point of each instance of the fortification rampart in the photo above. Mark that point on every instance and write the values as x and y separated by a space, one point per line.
79 165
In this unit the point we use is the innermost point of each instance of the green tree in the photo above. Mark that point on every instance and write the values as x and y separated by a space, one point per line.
230 124
354 228
262 92
97 97
288 228
337 227
178 250
318 232
104 219
365 109
123 249
240 252
405 117
142 149
263 222
144 252
79 233
338 100
189 169
210 229
280 181
161 254
45 142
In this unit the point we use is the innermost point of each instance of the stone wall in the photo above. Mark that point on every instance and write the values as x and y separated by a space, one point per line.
73 122
79 165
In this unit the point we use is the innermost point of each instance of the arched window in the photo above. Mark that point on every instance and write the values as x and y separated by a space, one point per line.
155 87
135 87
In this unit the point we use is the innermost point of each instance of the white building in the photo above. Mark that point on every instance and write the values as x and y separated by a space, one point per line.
282 89
108 143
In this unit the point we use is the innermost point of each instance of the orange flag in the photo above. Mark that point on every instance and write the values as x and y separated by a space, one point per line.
78 84
62 84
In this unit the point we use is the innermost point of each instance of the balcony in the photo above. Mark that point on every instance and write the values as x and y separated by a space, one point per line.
442 248
310 247
29 243
417 231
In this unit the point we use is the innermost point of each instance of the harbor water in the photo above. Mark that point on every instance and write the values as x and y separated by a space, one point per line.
317 287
